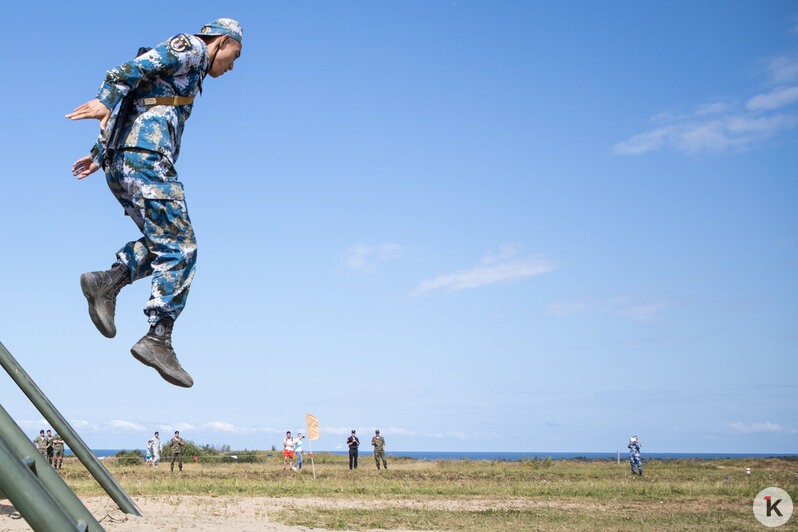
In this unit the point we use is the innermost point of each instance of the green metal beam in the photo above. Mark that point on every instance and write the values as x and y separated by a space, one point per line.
27 494
75 443
51 480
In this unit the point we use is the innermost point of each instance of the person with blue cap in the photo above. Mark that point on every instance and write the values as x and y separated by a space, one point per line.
142 107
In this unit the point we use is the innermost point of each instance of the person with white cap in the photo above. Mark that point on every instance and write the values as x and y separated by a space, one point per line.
142 107
634 455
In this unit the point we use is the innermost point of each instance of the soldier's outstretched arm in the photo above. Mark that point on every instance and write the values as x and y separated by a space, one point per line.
85 166
92 109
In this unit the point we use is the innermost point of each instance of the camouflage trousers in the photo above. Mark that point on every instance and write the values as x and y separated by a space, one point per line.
146 185
380 455
634 460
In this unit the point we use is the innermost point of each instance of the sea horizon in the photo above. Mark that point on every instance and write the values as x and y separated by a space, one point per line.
512 455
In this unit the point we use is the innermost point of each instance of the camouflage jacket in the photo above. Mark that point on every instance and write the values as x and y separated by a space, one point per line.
175 67
634 448
176 446
41 442
378 442
58 443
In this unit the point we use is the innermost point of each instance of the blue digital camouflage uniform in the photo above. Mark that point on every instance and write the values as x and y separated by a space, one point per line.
634 456
141 172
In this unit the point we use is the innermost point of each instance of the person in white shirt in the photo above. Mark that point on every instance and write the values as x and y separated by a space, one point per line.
156 450
288 450
298 452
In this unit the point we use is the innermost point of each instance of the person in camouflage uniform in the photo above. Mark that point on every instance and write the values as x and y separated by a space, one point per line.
41 442
50 447
379 449
177 451
634 455
139 169
58 451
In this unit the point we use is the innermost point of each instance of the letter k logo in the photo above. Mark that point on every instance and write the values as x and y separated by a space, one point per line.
772 506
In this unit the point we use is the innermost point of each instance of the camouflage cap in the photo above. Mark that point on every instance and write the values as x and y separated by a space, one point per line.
223 26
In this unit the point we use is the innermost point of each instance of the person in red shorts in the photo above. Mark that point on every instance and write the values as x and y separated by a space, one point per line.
288 450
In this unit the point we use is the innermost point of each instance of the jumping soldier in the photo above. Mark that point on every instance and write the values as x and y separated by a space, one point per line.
138 150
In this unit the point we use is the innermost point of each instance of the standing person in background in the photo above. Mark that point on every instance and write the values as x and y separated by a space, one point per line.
41 444
298 452
50 447
156 450
634 455
148 456
288 450
58 451
379 449
353 443
177 451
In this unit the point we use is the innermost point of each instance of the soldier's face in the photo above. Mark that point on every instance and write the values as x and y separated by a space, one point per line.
229 51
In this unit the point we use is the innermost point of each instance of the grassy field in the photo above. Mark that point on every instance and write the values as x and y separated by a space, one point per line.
478 495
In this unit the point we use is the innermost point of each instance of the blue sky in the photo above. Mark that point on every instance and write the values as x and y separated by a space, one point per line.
517 226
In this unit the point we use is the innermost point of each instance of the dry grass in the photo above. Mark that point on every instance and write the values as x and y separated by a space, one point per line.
473 495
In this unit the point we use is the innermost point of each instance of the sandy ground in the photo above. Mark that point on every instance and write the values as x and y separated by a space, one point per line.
172 514
178 513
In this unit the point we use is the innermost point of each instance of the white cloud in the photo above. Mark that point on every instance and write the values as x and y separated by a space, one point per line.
365 258
783 69
724 125
487 274
773 100
398 431
26 424
621 306
337 431
125 426
715 135
506 252
451 434
222 426
80 425
757 427
713 108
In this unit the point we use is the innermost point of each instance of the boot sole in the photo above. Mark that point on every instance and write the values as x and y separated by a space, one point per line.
147 360
95 319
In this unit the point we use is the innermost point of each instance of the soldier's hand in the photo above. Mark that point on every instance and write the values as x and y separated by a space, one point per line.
91 109
84 167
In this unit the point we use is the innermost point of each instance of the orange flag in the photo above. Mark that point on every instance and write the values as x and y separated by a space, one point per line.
313 427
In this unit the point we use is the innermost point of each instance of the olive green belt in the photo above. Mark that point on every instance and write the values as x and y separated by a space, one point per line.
166 100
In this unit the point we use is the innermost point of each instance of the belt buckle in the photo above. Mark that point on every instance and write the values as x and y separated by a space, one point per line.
150 101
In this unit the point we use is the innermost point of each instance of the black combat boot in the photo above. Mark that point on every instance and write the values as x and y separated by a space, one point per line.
155 350
101 289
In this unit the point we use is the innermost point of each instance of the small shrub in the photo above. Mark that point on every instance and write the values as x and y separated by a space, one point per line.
134 457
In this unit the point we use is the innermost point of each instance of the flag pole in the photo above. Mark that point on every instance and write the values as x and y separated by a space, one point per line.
312 465
313 434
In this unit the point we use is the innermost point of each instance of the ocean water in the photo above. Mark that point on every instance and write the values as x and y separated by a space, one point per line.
499 455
